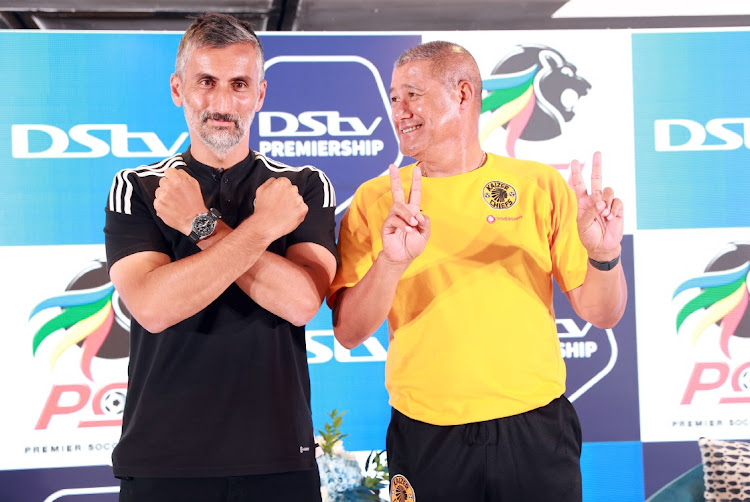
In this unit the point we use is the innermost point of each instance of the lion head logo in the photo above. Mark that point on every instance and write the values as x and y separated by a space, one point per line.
532 91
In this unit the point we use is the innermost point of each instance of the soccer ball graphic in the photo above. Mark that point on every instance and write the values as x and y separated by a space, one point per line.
113 402
744 380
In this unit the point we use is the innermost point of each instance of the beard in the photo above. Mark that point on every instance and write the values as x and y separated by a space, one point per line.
220 140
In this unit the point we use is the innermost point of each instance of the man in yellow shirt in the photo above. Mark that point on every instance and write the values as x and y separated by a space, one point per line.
463 269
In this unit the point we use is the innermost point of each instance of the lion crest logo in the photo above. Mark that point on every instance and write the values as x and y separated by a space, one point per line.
532 92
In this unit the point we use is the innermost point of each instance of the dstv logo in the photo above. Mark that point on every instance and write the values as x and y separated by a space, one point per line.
670 134
118 144
314 123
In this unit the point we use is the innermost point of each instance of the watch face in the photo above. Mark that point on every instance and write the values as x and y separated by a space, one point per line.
203 225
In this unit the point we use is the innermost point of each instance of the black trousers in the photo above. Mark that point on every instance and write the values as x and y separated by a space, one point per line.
534 456
296 486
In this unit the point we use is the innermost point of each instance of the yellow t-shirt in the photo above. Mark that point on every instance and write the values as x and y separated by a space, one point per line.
474 333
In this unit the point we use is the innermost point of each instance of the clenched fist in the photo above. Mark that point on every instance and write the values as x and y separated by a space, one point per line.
178 200
279 208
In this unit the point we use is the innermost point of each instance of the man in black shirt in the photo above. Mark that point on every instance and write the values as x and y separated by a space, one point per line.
221 255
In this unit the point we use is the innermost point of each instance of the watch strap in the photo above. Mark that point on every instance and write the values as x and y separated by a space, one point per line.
605 265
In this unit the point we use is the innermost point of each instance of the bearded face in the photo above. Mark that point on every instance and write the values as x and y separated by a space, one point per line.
220 89
220 132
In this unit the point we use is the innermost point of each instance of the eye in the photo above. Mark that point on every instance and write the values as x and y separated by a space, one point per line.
568 72
205 82
240 85
394 99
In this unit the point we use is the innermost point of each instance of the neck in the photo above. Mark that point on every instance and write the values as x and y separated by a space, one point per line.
462 162
205 155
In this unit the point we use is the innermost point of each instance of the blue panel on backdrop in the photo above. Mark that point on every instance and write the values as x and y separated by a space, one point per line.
602 379
612 472
74 484
79 107
692 129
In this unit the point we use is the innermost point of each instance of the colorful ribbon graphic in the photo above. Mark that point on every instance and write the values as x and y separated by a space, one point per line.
87 316
724 297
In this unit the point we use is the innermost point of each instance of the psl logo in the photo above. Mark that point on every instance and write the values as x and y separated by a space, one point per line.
92 317
720 299
531 93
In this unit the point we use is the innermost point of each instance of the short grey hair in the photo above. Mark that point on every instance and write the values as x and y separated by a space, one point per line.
217 31
450 63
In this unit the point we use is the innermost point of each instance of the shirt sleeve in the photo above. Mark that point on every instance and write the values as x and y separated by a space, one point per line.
130 226
569 257
319 225
356 248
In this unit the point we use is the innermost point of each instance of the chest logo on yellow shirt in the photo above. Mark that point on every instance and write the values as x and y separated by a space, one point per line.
401 489
499 195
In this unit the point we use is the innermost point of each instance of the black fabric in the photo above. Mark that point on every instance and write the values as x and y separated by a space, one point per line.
298 486
534 456
227 391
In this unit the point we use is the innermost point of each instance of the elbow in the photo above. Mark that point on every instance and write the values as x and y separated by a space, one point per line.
606 320
152 320
348 344
347 339
605 323
306 310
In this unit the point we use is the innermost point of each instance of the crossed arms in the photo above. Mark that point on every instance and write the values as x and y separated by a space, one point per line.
160 293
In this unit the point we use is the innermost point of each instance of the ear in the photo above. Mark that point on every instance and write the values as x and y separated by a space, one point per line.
466 92
261 95
551 59
175 86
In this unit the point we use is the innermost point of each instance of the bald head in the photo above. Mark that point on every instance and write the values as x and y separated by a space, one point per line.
450 63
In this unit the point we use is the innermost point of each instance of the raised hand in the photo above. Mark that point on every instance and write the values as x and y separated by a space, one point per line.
179 200
600 214
405 230
279 208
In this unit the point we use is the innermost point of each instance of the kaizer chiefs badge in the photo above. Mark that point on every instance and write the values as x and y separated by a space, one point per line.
401 490
499 195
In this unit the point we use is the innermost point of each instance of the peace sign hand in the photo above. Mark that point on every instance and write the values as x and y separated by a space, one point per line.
405 230
600 214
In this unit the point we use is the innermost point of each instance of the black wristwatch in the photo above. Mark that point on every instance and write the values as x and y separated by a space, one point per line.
604 265
204 225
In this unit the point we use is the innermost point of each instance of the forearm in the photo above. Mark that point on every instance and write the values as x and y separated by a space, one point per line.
174 291
361 309
283 288
277 284
602 297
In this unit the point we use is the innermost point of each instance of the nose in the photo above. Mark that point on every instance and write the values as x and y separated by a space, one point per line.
222 99
400 110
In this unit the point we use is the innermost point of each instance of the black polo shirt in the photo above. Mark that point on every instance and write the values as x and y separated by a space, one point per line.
226 391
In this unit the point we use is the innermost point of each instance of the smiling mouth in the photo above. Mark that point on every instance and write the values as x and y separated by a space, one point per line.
410 129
